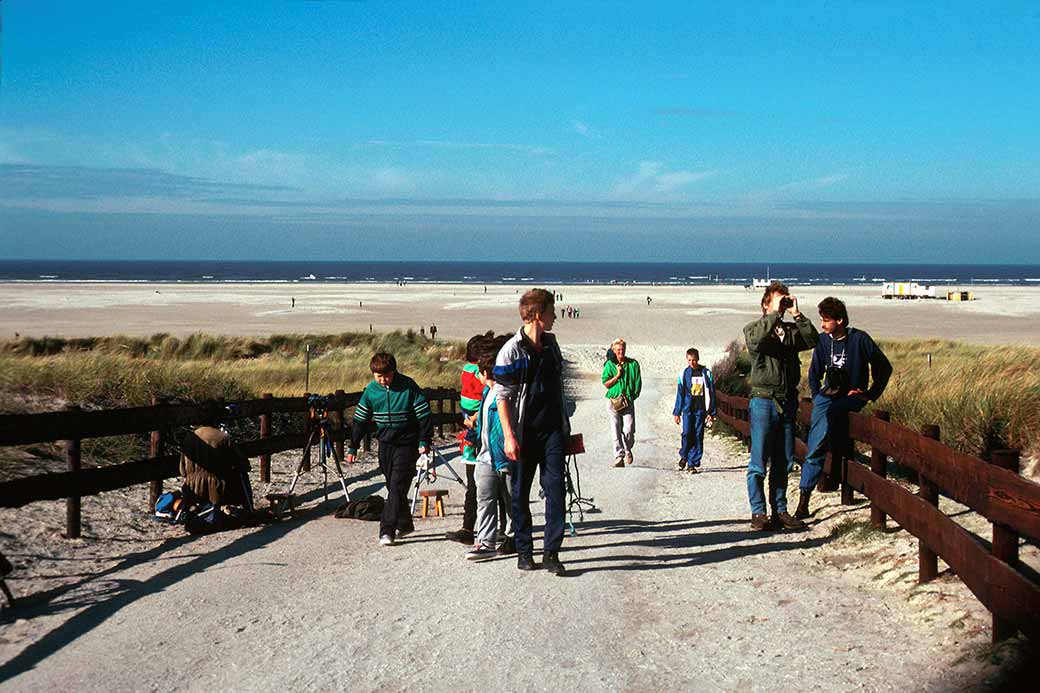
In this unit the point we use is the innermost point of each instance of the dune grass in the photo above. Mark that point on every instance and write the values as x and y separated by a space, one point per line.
983 398
107 372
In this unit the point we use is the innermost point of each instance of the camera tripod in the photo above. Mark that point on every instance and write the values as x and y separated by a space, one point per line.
320 435
575 501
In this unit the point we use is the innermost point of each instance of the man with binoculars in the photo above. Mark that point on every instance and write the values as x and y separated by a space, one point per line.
773 346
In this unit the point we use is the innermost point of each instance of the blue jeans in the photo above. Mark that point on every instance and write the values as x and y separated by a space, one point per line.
771 425
543 450
829 429
692 437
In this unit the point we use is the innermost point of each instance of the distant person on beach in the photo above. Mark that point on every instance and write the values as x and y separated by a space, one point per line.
648 301
293 305
472 390
528 378
694 409
404 428
843 363
773 346
624 383
433 332
494 471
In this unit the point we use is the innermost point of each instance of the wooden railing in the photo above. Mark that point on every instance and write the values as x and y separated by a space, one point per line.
74 425
994 490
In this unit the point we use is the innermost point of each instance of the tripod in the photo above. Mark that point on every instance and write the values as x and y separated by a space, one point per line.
575 500
320 435
429 474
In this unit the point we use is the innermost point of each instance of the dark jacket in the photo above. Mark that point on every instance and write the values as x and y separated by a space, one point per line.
862 358
775 369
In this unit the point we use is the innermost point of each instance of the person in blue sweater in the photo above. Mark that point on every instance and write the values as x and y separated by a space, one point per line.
694 408
843 363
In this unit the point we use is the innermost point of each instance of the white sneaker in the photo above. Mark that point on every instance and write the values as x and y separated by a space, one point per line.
480 552
386 540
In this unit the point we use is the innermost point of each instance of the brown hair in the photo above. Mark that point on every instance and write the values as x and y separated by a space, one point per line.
475 345
486 362
773 288
383 363
834 309
534 303
694 353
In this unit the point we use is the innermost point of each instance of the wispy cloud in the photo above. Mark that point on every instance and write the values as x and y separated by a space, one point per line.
652 179
798 187
532 150
585 130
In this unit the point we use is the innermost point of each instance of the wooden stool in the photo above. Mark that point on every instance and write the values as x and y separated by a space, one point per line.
438 494
282 505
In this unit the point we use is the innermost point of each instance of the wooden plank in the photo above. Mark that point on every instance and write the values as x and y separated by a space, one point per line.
1002 589
998 494
1005 542
878 465
73 463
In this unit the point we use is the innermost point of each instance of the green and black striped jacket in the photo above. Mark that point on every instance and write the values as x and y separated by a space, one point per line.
401 414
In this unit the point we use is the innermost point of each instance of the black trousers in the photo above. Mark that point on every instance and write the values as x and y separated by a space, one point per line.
397 462
469 510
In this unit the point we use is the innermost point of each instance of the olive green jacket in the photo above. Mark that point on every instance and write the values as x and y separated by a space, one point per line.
773 346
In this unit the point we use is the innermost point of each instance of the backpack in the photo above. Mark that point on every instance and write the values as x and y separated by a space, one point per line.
170 507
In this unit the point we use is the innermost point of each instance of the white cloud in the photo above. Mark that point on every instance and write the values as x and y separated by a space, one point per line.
532 150
652 180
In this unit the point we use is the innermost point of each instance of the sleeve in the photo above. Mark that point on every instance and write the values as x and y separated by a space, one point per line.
756 333
680 392
709 380
609 370
421 409
880 371
507 374
806 336
816 370
361 421
637 381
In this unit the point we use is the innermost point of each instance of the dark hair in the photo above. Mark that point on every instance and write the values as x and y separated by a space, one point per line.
694 353
773 288
475 345
535 302
493 345
383 363
834 309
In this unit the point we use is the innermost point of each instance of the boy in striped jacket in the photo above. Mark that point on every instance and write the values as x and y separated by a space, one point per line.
404 427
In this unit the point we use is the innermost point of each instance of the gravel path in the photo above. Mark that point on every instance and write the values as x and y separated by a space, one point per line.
667 589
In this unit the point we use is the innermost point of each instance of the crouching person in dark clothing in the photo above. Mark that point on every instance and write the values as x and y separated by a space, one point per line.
404 428
528 377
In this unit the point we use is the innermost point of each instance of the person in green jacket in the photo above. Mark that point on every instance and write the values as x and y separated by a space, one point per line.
404 427
773 346
623 382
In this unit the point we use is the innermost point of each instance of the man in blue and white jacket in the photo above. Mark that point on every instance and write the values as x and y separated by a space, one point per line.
528 378
694 408
843 363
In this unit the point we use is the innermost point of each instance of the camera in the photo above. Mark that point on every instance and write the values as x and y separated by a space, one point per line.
836 382
785 303
320 404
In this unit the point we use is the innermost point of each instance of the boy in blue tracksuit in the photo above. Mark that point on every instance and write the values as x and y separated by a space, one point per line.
694 408
493 471
843 363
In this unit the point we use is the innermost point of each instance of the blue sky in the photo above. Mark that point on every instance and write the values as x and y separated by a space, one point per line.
606 130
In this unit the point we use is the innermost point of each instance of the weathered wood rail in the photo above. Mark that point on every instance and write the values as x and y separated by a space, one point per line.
992 489
75 425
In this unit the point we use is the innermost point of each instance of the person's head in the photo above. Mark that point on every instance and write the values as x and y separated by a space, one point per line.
486 359
618 346
475 345
383 367
834 317
774 287
538 305
693 357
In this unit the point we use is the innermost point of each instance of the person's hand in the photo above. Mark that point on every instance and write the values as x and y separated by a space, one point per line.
350 459
424 450
709 420
774 302
794 307
678 420
856 392
470 421
512 448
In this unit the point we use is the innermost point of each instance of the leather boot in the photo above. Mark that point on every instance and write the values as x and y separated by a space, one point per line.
802 512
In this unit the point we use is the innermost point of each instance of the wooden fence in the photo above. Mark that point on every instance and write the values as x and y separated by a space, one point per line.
992 489
73 425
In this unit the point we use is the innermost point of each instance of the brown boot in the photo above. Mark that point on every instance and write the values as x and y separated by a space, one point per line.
787 522
802 512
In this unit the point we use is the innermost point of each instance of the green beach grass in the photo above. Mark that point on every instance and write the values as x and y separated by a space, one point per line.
983 398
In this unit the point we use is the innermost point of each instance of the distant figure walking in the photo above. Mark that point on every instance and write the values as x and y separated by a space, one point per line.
433 332
293 299
648 301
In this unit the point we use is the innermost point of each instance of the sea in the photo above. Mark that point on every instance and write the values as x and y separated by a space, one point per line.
533 273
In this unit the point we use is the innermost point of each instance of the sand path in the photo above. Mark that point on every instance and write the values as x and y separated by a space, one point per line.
667 589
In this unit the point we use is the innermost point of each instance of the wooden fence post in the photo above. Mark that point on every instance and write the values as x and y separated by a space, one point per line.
440 410
878 465
1005 541
927 561
848 454
454 423
73 463
265 433
155 450
341 397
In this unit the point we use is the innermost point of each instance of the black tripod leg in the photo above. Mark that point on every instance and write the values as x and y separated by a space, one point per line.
339 471
303 461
